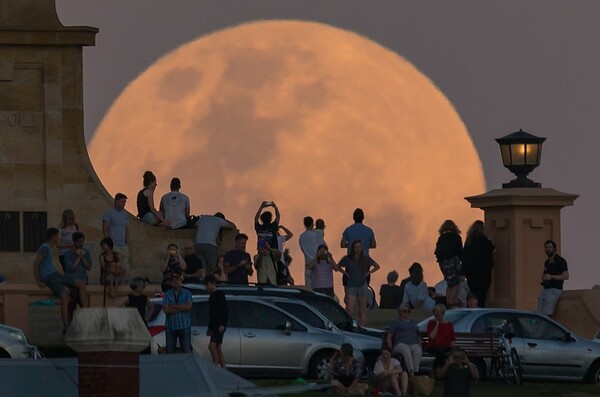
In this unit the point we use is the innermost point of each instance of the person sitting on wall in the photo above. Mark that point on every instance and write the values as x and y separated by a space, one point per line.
46 275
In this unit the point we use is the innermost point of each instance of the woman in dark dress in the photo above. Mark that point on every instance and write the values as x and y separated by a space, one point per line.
477 261
448 251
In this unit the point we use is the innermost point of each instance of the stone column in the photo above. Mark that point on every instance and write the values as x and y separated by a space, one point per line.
108 342
519 220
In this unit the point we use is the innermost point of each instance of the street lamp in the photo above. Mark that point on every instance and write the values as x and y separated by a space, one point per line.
521 154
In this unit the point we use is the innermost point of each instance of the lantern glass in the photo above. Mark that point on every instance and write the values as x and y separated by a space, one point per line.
533 154
517 153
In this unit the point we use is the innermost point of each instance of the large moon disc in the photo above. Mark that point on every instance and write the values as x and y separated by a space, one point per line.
315 118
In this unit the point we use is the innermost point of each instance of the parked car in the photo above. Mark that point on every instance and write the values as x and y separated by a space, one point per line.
14 344
547 350
326 305
261 339
370 346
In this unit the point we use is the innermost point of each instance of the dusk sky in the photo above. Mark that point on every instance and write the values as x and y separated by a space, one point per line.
504 65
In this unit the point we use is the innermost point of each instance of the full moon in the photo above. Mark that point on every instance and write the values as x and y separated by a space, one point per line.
318 119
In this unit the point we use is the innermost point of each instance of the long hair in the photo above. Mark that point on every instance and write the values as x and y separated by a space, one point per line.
449 226
476 229
148 178
66 214
362 260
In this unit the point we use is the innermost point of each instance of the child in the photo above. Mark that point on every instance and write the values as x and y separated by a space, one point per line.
137 299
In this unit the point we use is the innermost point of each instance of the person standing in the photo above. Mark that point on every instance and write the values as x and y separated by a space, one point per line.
218 317
477 261
237 262
208 229
145 202
175 206
267 228
403 337
114 225
448 251
554 274
46 275
358 231
357 267
309 241
177 305
266 264
322 267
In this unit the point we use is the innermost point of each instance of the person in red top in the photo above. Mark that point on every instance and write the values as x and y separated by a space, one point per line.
441 336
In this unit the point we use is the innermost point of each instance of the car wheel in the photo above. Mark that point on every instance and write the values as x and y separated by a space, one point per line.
594 373
319 365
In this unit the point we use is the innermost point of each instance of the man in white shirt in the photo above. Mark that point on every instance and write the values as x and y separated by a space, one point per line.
309 243
175 206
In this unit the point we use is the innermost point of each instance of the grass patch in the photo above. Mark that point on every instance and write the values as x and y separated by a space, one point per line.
482 389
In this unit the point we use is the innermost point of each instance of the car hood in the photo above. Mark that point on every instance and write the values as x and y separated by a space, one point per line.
363 342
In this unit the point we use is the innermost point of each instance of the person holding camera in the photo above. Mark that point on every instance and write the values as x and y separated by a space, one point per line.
458 372
173 263
268 227
322 267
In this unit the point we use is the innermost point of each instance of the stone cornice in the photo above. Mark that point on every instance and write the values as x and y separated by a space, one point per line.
522 197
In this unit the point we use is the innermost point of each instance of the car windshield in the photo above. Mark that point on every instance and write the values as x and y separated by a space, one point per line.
453 316
333 312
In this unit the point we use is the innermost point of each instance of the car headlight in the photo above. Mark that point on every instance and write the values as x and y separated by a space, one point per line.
20 336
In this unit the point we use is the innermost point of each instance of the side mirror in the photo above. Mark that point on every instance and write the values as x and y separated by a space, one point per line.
288 328
354 325
329 325
569 337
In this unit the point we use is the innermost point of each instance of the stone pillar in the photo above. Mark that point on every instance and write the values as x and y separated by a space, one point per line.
108 342
519 220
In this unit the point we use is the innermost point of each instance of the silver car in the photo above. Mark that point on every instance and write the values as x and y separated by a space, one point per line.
261 339
14 344
369 345
547 350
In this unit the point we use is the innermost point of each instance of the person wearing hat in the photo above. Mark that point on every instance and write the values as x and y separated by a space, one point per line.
265 263
177 305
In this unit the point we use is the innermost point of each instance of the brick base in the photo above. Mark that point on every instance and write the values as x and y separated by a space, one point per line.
109 374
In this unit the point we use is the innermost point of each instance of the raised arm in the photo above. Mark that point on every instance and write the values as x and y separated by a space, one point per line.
277 214
288 233
257 216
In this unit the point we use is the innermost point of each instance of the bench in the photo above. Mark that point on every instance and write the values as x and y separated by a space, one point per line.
475 345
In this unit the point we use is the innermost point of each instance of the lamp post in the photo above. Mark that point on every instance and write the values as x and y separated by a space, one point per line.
521 154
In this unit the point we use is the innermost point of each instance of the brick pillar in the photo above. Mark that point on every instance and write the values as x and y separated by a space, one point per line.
108 374
108 342
519 220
